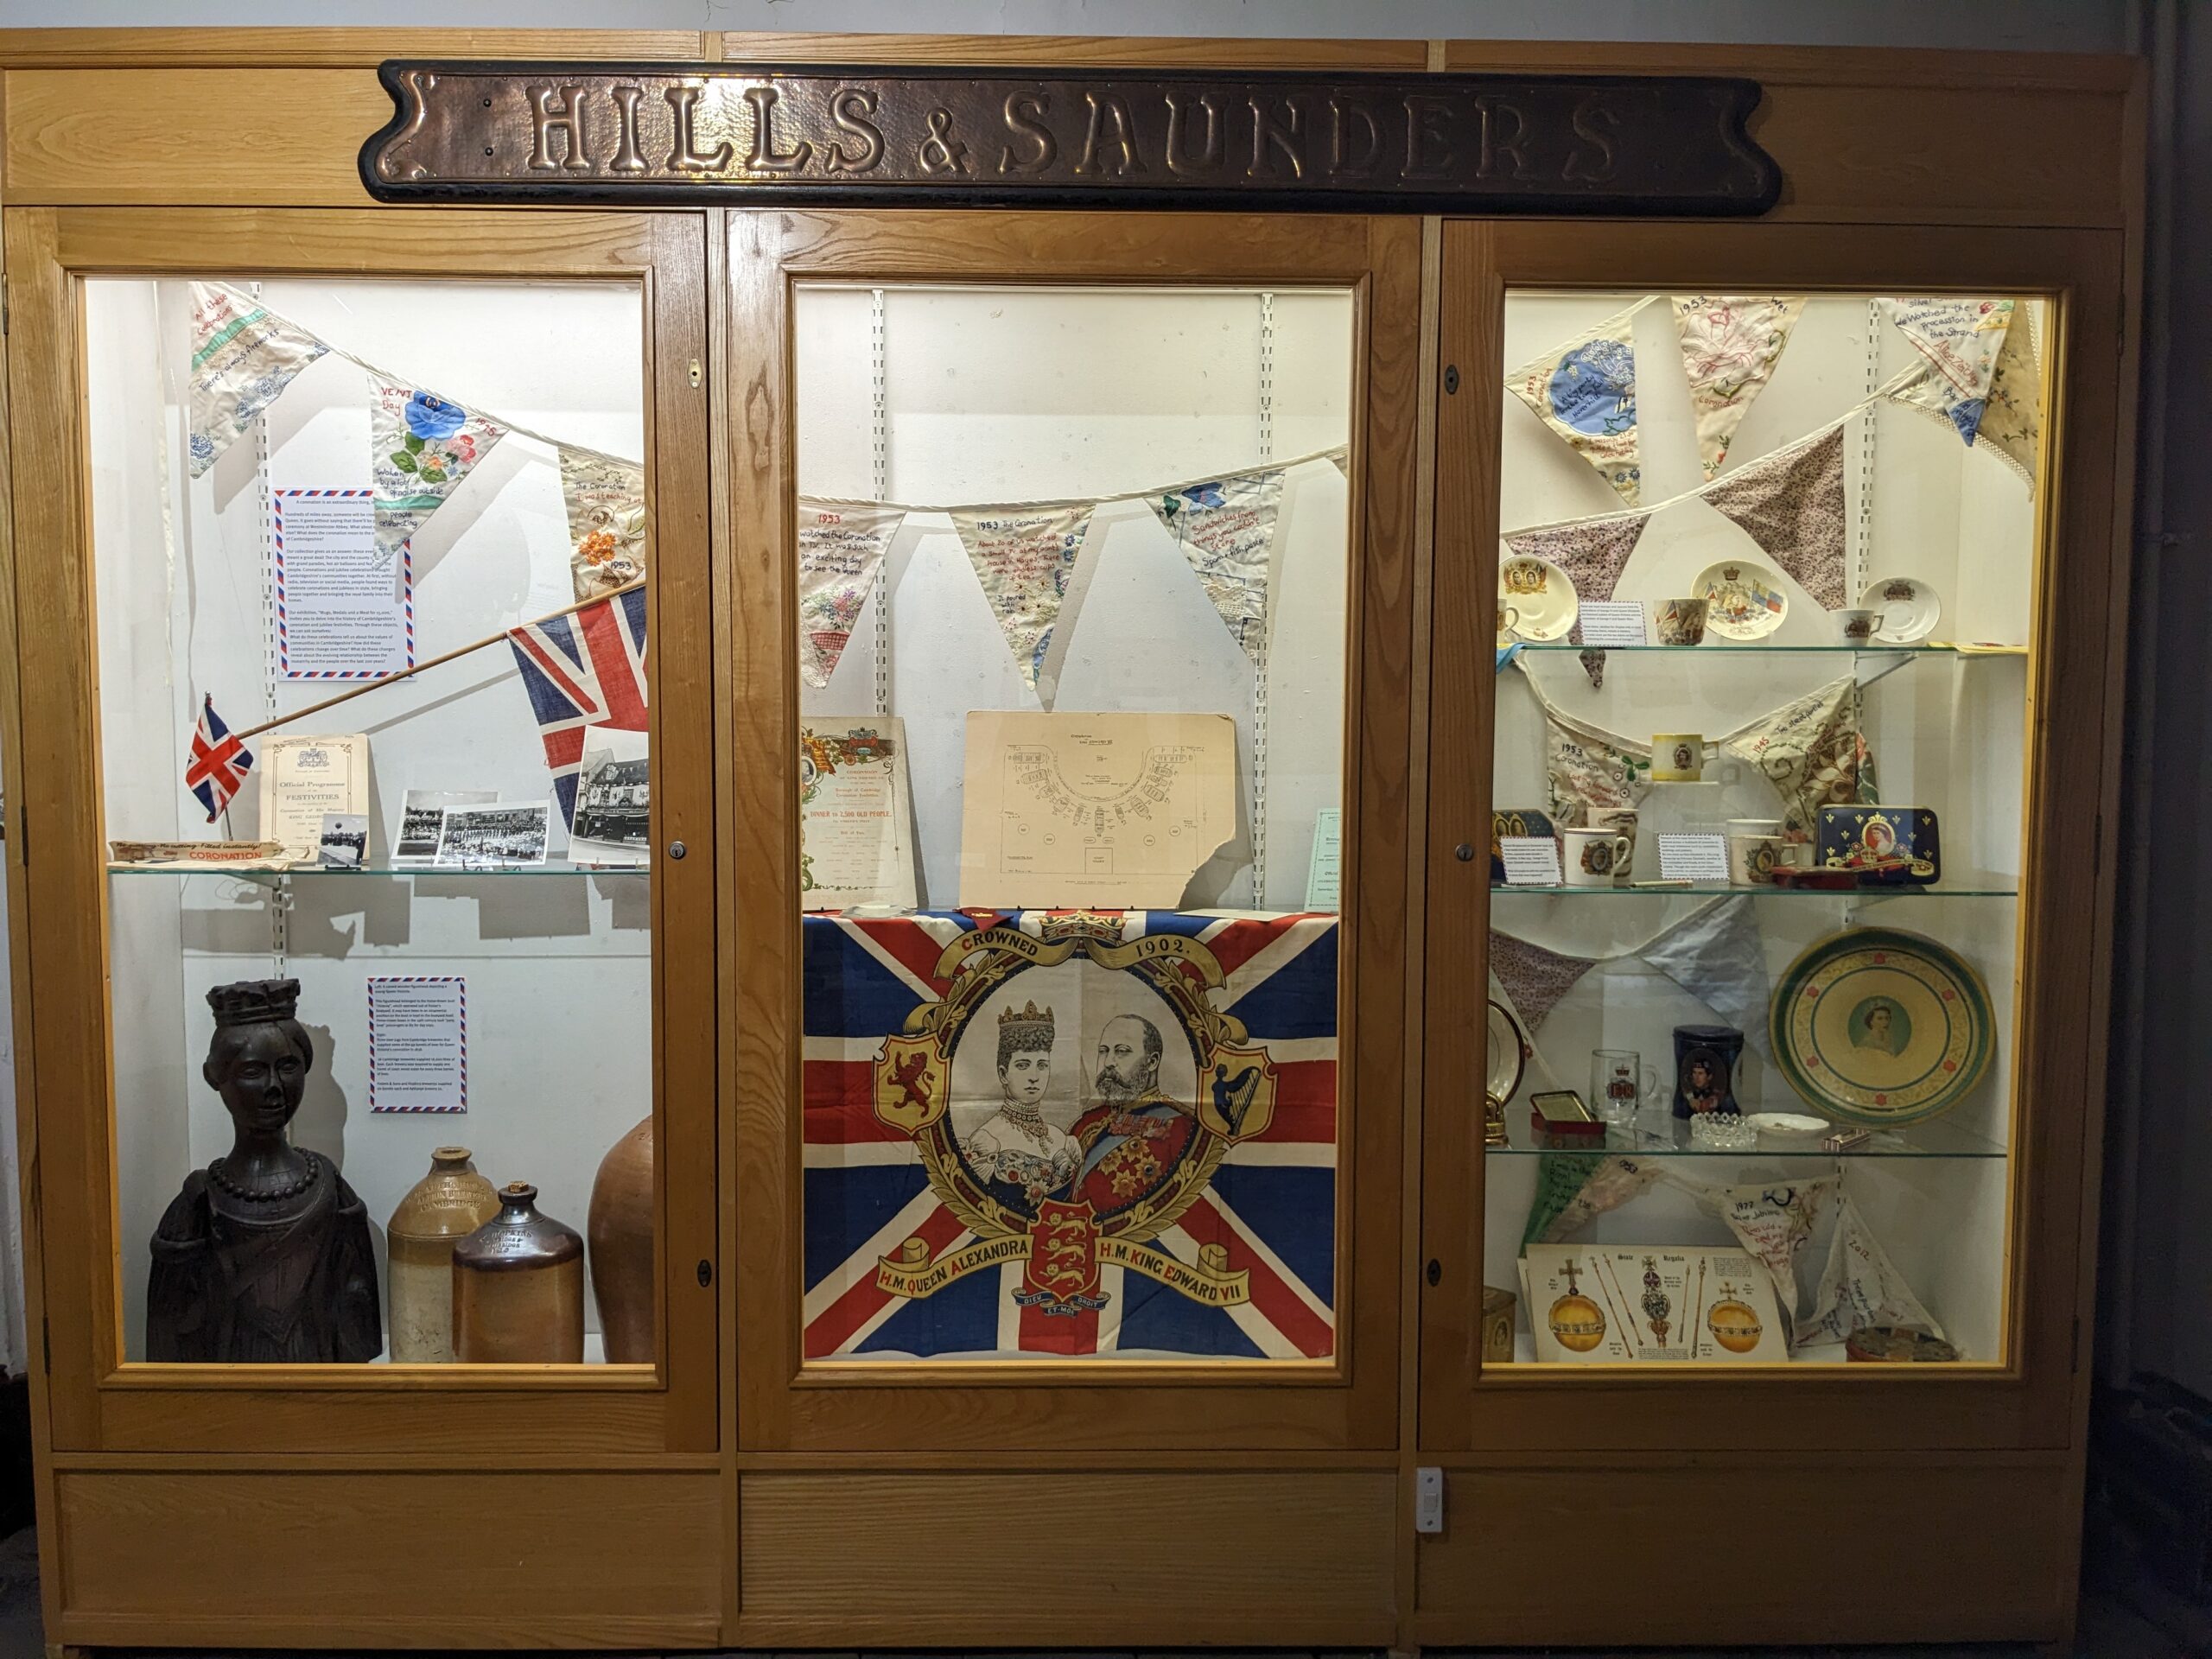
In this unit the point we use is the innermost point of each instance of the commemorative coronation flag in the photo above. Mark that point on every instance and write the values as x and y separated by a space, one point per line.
585 668
218 763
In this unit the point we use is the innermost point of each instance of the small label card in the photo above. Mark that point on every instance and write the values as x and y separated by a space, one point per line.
418 1044
1323 868
1530 860
1613 622
1693 858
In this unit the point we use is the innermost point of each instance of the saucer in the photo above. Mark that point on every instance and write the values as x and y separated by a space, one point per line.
1743 599
1540 592
1907 605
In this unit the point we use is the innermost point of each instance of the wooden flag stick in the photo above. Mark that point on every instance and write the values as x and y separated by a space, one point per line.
349 695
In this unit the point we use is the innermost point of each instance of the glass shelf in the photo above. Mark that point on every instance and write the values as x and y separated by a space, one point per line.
1980 887
270 878
1936 1138
1712 648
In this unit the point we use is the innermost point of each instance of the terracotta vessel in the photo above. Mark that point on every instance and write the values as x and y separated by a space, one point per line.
621 1229
518 1287
441 1210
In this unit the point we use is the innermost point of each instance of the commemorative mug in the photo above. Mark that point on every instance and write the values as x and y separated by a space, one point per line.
1752 860
1681 621
1621 820
1620 1082
1508 619
1856 628
1677 758
1594 854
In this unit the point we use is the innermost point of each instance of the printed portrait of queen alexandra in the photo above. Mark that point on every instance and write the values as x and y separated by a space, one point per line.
1015 1144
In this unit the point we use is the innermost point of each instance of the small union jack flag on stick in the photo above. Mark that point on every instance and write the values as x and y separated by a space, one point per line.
219 764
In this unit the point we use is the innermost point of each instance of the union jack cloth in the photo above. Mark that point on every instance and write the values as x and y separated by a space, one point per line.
217 766
582 669
878 1232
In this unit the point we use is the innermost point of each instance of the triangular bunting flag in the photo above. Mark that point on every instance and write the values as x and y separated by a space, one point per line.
1588 769
1534 979
1023 557
1224 530
243 357
1716 956
1812 750
2011 420
1585 391
420 447
840 548
605 500
1791 503
1592 553
1730 345
1959 338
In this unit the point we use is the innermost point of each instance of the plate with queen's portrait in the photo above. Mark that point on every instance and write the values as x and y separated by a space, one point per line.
1879 1027
1535 599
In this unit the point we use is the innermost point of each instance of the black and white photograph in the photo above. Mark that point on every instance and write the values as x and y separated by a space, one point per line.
614 823
344 842
422 815
506 832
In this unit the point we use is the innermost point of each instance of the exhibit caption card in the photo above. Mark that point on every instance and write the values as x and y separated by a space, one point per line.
343 612
418 1044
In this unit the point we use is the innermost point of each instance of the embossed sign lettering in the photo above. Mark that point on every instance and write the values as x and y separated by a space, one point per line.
730 133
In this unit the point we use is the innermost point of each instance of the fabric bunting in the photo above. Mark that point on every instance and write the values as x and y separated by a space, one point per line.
420 447
1225 529
1592 553
1813 750
1791 503
2011 420
1959 338
1859 1287
841 549
605 496
243 357
1534 978
1588 769
1023 557
1585 391
1730 346
1715 955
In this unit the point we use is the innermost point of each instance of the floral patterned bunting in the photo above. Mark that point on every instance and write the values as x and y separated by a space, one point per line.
1023 557
1225 529
1791 503
420 447
840 548
1585 391
1730 345
1534 978
1959 339
243 357
1592 553
605 497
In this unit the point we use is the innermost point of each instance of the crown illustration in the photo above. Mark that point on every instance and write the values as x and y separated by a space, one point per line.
1028 1014
254 1001
1103 926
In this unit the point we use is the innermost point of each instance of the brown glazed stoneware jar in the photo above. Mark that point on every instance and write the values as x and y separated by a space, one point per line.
441 1210
518 1287
621 1229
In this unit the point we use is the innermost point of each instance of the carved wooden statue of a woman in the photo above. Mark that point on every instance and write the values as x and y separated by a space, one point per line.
264 1256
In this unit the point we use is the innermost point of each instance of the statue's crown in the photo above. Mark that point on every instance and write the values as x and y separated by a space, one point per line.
254 1001
1028 1014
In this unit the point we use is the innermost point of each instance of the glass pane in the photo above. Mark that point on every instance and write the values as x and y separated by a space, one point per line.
1073 573
276 523
1757 1102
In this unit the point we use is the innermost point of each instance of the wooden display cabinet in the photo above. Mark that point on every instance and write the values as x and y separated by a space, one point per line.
745 1490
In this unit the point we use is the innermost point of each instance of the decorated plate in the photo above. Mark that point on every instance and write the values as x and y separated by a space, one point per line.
1509 1054
1907 605
1541 594
1879 1027
1743 599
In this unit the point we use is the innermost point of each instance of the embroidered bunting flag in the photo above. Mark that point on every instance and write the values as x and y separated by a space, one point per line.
2012 418
1813 750
840 548
1225 529
1592 553
243 357
420 447
216 768
1585 391
1791 503
1588 769
1023 557
605 496
1959 340
585 668
1730 345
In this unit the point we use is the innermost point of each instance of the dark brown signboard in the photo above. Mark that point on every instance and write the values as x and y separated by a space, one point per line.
733 133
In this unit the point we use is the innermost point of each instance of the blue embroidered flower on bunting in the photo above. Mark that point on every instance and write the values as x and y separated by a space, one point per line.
430 417
1594 388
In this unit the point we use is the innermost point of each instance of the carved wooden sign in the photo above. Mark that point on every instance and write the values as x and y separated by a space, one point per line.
734 134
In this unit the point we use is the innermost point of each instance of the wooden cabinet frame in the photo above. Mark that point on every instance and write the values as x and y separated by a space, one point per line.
96 1402
1344 1402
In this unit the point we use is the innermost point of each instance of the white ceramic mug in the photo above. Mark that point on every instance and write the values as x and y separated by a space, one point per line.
1677 758
1856 628
1752 860
1594 856
1508 619
1621 820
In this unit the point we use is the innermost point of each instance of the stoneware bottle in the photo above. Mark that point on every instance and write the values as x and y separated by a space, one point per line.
621 1229
441 1210
518 1287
